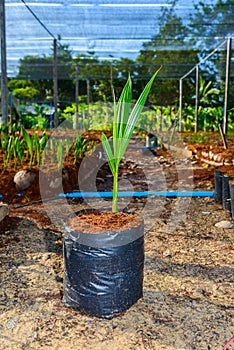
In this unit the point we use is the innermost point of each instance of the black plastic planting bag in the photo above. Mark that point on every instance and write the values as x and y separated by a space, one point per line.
226 192
231 188
218 186
103 273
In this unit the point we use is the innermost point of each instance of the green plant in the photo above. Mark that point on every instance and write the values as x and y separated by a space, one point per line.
80 148
4 128
60 155
9 149
4 142
43 140
37 149
15 153
14 145
124 122
29 143
19 150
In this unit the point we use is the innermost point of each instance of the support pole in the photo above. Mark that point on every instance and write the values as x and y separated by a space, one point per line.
191 70
88 91
225 146
111 82
227 85
55 78
77 96
88 96
197 99
180 104
4 83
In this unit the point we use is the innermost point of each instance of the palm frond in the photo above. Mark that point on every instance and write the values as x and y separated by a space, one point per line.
109 153
124 122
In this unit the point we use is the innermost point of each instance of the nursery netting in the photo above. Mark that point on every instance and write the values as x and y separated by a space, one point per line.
118 37
110 29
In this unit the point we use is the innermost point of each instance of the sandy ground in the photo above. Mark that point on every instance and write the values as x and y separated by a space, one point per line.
188 298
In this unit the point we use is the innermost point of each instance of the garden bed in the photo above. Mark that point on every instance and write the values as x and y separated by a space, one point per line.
210 148
69 176
213 153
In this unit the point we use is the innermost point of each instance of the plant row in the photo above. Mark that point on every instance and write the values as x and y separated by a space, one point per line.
29 148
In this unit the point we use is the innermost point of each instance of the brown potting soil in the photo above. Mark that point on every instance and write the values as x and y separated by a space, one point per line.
101 222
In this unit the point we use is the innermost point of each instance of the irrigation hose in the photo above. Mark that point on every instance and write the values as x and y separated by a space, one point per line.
132 194
138 194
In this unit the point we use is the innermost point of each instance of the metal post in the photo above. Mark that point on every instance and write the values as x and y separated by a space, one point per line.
88 96
18 109
180 105
227 85
197 98
77 97
4 83
225 146
11 106
88 91
111 82
55 78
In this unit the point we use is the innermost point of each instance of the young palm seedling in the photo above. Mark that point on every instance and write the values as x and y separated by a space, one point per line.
94 282
124 122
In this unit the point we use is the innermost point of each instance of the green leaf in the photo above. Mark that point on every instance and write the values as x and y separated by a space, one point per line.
123 107
28 140
109 153
43 140
124 122
139 105
60 155
10 146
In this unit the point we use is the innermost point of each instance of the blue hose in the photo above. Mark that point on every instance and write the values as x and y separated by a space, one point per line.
133 194
17 194
138 194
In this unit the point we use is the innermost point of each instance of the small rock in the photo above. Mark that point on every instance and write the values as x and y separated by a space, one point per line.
23 179
167 253
4 210
10 324
224 224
